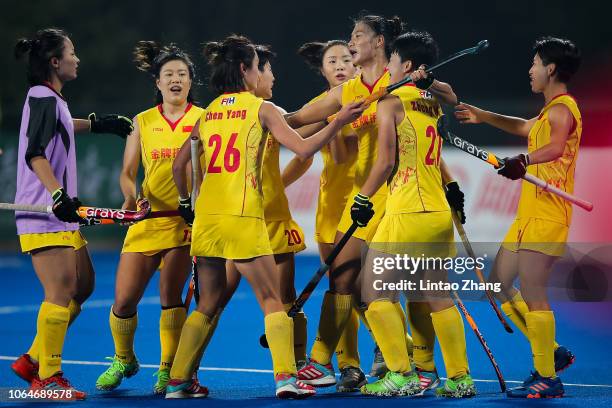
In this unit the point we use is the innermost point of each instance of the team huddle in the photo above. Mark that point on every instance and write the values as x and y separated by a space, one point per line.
383 173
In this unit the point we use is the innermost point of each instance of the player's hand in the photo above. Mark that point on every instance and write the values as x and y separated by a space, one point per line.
456 199
514 167
422 79
186 210
119 125
64 207
468 114
362 210
129 204
350 112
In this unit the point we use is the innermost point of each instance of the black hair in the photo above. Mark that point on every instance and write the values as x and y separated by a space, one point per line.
265 55
561 52
225 58
416 46
46 44
389 28
150 57
313 52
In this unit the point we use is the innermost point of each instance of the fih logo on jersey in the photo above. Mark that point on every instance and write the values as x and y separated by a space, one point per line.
228 101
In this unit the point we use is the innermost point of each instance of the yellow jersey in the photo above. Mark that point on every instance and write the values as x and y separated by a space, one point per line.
365 126
234 142
534 202
416 182
160 141
276 206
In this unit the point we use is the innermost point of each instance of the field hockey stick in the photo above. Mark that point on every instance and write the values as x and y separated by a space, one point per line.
194 289
104 215
497 163
472 323
314 281
478 48
471 254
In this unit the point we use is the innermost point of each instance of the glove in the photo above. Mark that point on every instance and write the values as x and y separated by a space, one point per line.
119 125
456 199
361 210
89 222
514 167
425 83
64 207
186 210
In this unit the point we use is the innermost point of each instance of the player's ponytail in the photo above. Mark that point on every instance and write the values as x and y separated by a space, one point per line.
225 58
46 44
150 57
389 28
313 52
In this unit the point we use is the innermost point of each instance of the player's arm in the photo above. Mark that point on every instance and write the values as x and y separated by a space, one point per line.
295 169
441 90
510 124
129 171
272 120
342 146
317 111
80 125
561 122
181 166
386 113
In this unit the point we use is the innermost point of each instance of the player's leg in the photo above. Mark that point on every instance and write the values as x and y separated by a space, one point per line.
534 273
172 278
133 274
262 275
197 330
449 329
335 313
56 268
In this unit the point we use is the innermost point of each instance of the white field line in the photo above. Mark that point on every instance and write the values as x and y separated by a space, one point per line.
255 370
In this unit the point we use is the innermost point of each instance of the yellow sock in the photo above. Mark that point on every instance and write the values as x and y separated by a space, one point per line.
347 352
335 312
279 333
448 326
123 331
213 326
170 325
402 315
75 310
300 333
389 333
423 335
194 333
541 329
516 310
363 318
51 325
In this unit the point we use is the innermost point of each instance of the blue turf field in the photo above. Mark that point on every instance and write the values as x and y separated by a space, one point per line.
237 370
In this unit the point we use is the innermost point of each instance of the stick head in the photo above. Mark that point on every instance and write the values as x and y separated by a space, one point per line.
481 46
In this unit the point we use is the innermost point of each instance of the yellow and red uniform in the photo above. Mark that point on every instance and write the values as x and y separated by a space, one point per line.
543 219
160 141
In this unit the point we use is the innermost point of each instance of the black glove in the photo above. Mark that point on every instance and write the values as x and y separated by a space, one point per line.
425 83
186 210
64 207
514 167
119 125
456 199
361 210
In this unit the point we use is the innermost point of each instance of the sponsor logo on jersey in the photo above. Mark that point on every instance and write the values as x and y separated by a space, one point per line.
158 129
228 101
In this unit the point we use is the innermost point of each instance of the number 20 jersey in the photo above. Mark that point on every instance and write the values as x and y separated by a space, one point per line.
234 142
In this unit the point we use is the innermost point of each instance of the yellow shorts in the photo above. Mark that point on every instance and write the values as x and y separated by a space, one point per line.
229 237
149 242
285 236
366 233
428 234
329 214
537 234
30 242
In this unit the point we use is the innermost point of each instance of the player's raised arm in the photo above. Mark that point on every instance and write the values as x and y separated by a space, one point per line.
471 114
271 119
317 111
441 90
